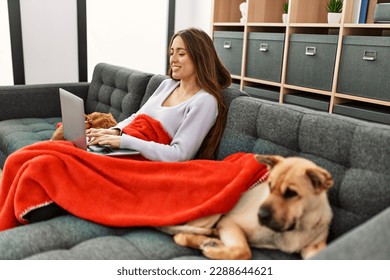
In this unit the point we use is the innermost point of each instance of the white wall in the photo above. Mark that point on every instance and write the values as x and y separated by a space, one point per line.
129 33
50 46
6 75
193 13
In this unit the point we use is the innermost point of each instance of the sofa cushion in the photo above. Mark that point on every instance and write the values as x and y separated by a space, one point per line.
117 90
355 152
372 238
113 89
68 237
153 84
17 133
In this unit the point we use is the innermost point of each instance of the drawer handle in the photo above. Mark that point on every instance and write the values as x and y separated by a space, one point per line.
263 47
311 50
369 55
227 44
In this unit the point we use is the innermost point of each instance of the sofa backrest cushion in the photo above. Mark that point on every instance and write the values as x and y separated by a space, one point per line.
117 90
355 152
122 91
229 93
153 84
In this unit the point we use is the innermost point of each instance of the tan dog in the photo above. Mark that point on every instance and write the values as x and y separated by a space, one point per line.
93 120
289 212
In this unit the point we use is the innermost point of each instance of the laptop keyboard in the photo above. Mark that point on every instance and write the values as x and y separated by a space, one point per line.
100 149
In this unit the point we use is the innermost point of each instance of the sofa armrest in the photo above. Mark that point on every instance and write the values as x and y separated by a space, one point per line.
369 241
36 101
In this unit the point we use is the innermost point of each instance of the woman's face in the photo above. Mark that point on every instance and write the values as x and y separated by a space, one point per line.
182 66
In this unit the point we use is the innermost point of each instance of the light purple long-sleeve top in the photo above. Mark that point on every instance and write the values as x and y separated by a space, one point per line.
187 123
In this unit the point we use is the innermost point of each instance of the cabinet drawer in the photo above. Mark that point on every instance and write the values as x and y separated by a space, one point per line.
311 60
369 112
235 85
308 100
364 67
265 56
382 13
263 93
229 48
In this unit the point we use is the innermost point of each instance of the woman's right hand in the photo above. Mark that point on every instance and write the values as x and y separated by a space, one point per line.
95 133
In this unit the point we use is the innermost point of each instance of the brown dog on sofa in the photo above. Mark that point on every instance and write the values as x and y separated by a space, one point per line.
290 212
93 120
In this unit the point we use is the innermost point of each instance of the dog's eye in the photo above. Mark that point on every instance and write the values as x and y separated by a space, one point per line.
289 193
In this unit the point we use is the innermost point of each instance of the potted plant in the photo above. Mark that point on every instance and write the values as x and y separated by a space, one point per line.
334 8
285 12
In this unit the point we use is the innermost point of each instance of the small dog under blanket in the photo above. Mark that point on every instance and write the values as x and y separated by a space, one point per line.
93 120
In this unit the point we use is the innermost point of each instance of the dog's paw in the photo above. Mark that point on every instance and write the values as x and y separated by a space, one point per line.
211 242
189 240
218 251
180 239
310 251
213 249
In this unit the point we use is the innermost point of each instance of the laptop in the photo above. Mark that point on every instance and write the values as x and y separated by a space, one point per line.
73 121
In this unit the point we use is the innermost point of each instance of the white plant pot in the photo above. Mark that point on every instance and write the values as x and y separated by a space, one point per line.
284 18
334 17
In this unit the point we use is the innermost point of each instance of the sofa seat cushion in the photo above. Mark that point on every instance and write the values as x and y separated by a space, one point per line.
68 237
18 133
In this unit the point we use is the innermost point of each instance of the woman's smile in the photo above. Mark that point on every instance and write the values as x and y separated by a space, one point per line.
175 68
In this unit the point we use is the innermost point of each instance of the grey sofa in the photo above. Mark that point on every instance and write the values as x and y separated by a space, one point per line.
356 153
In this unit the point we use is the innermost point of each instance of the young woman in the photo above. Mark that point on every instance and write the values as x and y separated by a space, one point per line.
190 105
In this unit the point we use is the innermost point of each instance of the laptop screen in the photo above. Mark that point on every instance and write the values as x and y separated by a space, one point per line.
73 118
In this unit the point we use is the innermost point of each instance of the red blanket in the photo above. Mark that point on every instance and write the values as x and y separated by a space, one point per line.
119 191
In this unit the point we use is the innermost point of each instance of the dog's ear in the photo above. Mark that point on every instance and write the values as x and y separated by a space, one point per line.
88 121
88 117
320 179
269 160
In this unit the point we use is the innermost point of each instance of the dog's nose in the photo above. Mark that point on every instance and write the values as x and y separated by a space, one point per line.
264 215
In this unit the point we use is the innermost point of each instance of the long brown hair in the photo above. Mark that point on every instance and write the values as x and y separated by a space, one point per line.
212 76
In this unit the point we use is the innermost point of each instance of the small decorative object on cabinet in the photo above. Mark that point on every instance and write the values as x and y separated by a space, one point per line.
285 12
334 8
244 11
